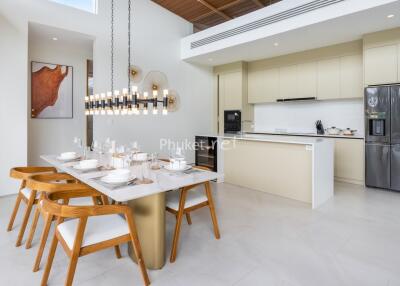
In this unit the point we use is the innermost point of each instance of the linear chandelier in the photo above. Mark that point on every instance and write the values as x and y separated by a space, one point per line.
128 101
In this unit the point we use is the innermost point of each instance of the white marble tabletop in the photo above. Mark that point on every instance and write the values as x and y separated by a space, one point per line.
163 180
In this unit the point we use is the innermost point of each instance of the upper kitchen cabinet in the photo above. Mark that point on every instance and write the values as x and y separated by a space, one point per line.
381 65
263 85
382 57
288 82
307 80
351 79
328 83
230 90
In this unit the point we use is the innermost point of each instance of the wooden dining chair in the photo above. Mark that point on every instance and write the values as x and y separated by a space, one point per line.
48 183
89 229
25 195
186 200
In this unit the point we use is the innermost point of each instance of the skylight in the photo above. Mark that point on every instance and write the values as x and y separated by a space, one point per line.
85 5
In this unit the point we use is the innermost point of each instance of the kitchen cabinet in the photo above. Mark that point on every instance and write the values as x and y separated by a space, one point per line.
351 79
381 65
307 80
263 85
398 61
230 90
328 83
349 160
288 82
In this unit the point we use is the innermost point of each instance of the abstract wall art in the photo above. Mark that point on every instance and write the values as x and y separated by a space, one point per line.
51 90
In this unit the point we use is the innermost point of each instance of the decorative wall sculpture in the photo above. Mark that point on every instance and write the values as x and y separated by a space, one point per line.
51 90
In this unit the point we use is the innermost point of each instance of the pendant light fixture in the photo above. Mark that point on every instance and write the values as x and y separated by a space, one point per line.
128 101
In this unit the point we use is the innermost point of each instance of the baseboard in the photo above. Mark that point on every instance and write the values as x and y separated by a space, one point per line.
349 181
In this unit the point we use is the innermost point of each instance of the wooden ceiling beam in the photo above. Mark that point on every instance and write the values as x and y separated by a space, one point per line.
223 7
258 3
215 10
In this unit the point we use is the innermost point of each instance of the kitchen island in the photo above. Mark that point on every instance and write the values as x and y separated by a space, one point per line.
299 168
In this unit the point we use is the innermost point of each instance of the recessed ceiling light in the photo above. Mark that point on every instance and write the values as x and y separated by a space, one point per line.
54 39
390 16
276 44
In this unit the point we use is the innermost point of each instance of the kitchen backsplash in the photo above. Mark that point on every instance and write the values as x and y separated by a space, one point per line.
301 116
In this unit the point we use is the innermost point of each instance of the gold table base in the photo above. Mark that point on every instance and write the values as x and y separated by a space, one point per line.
149 214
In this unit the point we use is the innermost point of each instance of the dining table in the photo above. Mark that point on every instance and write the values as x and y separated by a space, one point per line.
146 197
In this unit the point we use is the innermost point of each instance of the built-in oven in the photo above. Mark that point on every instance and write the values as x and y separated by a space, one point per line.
232 121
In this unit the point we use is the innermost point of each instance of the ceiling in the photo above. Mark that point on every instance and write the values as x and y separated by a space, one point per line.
52 35
208 13
343 29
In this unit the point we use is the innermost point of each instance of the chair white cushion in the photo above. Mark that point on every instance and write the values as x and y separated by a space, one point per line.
98 229
27 193
85 201
194 197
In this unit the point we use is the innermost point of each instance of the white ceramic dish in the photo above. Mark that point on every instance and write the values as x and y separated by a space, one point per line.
119 174
88 164
115 180
185 168
67 156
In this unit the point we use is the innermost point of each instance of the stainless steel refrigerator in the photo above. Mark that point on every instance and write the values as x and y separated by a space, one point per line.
382 137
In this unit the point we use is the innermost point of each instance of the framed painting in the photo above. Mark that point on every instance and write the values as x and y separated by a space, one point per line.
51 90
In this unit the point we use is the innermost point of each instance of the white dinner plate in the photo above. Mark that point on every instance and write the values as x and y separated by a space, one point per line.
80 168
117 181
187 167
67 159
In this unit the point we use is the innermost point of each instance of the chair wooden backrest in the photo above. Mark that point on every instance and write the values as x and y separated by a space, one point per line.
23 173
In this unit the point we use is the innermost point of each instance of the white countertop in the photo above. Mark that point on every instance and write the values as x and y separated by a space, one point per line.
355 136
272 138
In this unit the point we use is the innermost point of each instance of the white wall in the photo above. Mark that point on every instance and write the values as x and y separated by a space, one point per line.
52 136
13 109
301 116
157 34
156 46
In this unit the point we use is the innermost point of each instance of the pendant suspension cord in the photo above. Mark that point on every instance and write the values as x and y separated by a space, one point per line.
129 46
112 45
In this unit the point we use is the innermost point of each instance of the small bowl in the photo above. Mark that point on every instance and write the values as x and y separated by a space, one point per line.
88 164
123 174
68 155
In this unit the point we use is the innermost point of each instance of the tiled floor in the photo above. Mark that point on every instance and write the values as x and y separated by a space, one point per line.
354 239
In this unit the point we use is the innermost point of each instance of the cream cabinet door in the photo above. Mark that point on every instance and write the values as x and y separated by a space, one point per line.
328 86
307 80
263 85
288 82
351 77
381 65
398 60
349 160
230 90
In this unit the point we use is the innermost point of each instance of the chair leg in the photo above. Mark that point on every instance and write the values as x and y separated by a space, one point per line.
43 239
188 218
75 251
26 218
33 227
71 269
50 259
212 210
117 251
182 200
15 211
137 248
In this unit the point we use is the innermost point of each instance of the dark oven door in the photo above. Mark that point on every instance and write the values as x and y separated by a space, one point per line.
232 121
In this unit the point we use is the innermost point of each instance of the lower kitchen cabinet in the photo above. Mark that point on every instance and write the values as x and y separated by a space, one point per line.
349 160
